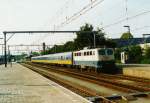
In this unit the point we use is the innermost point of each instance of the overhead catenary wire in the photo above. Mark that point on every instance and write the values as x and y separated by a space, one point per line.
76 15
60 11
71 20
129 18
84 10
10 37
126 9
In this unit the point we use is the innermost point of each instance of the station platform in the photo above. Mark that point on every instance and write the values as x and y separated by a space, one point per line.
19 84
137 70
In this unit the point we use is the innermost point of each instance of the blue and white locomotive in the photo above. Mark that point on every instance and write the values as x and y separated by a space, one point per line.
102 59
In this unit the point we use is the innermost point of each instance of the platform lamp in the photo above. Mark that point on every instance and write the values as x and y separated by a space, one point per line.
129 31
127 49
127 26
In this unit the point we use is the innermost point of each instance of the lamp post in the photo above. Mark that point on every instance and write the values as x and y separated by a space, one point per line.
124 55
2 51
127 26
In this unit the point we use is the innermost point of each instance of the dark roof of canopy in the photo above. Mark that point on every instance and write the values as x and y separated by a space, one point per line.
132 41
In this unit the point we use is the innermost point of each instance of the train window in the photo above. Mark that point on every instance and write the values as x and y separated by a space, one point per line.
101 52
90 52
93 52
75 54
109 51
84 53
61 57
79 53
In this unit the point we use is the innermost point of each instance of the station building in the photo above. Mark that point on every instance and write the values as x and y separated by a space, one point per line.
142 42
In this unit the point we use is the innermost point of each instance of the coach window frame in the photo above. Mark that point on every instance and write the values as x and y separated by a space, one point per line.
88 53
84 53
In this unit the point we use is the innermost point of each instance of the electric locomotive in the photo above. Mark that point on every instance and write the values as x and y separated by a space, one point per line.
101 59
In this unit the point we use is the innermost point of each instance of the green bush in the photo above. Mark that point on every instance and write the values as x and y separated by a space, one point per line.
147 53
135 54
145 61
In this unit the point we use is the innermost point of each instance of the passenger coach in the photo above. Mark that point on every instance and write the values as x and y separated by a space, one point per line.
58 58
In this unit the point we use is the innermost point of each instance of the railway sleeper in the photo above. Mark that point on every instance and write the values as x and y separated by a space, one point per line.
129 97
99 99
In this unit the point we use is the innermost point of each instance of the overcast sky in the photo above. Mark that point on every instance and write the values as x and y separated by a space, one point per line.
47 14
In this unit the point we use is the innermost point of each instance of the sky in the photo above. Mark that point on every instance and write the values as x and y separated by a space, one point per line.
49 14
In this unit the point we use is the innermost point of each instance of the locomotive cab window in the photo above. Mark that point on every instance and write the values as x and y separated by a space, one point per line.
109 52
101 52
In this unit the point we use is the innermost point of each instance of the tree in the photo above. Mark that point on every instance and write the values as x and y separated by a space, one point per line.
126 35
110 43
135 54
87 39
83 39
146 58
117 54
70 46
35 54
20 57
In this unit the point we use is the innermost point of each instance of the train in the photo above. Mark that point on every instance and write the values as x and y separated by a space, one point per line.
100 59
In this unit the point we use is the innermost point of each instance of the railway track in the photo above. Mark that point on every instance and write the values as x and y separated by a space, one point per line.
137 80
118 78
85 92
103 80
100 79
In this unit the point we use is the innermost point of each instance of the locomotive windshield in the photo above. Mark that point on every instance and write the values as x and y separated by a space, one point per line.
109 52
105 52
102 52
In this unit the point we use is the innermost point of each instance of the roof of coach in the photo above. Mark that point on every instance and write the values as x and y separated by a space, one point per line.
90 49
65 53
